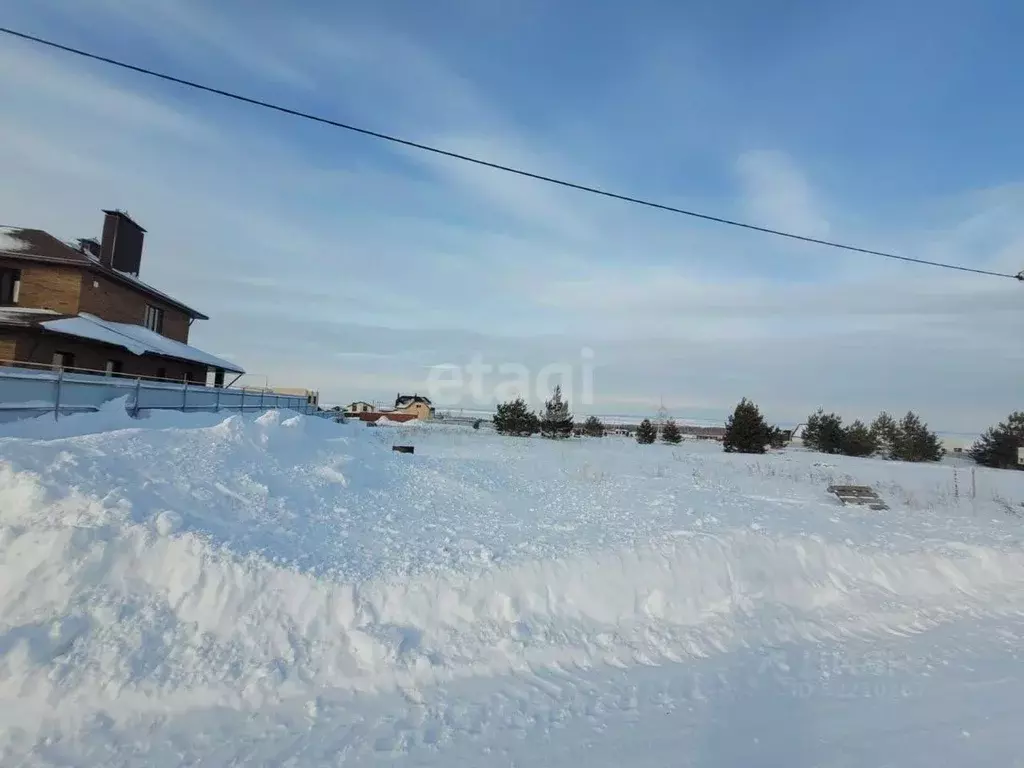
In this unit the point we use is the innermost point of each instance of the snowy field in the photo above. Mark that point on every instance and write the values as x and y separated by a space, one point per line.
196 589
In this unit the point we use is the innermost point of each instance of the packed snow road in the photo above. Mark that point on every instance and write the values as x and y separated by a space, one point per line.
285 590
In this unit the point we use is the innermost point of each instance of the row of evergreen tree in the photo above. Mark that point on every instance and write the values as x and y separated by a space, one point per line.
555 421
909 439
515 418
648 432
746 431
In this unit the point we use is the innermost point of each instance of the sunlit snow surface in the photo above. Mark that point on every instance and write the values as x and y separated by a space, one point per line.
283 590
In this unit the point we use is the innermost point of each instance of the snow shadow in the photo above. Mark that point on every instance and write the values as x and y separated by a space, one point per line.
758 714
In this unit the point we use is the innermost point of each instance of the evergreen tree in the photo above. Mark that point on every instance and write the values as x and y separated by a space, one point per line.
915 442
812 430
515 418
824 432
593 427
557 421
776 437
670 432
746 430
998 447
647 433
858 440
884 429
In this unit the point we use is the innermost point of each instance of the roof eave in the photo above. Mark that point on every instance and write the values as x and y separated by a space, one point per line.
148 290
230 367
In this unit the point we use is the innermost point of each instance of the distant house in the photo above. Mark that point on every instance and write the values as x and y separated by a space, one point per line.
82 307
417 405
701 432
359 406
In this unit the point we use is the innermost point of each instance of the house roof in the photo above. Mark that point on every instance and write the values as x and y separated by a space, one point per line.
41 247
135 338
404 400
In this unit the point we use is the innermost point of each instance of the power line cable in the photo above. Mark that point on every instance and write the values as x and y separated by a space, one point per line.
488 164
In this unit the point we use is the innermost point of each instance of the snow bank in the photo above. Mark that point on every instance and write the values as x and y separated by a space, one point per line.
200 561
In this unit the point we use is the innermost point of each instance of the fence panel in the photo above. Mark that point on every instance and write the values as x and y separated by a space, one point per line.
25 393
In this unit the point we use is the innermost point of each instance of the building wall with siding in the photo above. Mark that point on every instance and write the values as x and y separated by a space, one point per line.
419 410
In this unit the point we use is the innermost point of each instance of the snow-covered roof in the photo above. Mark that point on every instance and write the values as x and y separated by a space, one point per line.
9 241
135 338
403 400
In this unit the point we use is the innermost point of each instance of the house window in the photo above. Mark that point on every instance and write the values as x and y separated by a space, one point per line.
10 285
114 367
154 318
63 360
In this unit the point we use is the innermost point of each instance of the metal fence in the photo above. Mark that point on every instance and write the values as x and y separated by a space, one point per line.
26 392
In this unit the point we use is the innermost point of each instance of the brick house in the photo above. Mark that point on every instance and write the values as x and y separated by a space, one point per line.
419 406
83 307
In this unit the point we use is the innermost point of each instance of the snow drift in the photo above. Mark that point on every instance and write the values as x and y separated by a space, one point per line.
201 561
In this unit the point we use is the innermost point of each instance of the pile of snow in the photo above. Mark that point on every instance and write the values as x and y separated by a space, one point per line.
190 563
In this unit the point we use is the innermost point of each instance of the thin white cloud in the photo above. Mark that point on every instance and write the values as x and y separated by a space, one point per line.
31 152
199 32
81 93
533 203
776 194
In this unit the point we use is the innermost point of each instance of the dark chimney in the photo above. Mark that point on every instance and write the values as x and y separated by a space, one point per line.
122 243
90 246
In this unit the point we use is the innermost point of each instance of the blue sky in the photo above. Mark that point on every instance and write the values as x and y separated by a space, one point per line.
331 260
